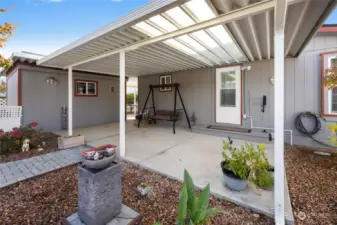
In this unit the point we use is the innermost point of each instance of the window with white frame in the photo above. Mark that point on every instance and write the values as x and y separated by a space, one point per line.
165 79
86 88
332 63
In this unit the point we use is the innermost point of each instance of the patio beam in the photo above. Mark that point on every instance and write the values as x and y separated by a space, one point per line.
234 15
70 101
122 104
279 23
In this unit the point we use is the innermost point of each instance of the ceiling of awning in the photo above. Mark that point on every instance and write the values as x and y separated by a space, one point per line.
247 39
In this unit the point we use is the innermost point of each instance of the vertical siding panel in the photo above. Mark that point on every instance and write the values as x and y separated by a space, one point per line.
289 93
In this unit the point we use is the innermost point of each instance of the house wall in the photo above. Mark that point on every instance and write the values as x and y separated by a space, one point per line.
42 102
302 90
12 89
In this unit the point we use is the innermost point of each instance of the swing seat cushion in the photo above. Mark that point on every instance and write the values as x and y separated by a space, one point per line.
164 115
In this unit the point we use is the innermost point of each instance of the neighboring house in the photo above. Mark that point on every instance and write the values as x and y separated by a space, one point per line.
243 91
43 92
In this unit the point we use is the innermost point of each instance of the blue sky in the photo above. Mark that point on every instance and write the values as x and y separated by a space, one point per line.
44 26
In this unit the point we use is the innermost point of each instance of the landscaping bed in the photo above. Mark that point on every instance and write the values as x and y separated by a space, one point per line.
312 181
50 140
50 198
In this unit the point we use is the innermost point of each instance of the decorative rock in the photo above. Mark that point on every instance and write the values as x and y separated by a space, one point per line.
99 194
302 215
143 189
25 145
40 149
256 215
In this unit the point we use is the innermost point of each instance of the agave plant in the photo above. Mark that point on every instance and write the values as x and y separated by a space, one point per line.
193 209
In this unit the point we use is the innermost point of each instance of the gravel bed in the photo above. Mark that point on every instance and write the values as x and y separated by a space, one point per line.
50 198
51 146
312 181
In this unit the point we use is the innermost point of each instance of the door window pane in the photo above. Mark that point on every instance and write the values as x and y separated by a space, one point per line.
228 80
227 97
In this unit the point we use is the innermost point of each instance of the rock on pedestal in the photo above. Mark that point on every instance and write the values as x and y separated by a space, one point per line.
99 194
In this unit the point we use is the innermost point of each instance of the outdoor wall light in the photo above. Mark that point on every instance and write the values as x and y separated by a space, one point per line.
51 81
245 67
272 80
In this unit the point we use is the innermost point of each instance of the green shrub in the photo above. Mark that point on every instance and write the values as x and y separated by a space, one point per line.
192 209
237 159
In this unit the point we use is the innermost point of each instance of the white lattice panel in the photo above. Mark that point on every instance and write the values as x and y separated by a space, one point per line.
10 117
3 101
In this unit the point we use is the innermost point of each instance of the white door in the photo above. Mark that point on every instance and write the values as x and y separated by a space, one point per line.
228 95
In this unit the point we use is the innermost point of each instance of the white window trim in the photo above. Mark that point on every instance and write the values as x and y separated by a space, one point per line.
330 91
86 87
166 88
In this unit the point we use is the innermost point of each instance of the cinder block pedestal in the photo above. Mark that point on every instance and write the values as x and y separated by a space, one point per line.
99 194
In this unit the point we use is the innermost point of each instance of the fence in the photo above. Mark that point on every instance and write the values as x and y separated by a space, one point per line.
10 117
3 101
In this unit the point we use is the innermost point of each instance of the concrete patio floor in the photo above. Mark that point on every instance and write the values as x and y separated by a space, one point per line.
155 147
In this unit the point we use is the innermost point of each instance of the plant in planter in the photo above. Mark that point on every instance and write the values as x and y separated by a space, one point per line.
235 167
261 172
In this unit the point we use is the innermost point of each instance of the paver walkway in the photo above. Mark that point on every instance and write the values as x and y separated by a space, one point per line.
19 170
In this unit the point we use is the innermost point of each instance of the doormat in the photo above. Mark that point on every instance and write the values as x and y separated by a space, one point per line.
232 129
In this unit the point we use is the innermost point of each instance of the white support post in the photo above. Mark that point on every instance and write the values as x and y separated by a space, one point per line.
122 104
280 15
70 101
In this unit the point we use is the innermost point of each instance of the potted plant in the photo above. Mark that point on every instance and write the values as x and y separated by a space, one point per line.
261 172
70 141
235 167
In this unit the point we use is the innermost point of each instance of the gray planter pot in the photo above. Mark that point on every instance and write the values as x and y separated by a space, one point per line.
99 164
232 181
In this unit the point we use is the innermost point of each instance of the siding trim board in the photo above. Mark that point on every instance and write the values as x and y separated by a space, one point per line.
323 54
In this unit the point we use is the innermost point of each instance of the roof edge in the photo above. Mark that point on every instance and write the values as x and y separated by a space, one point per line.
133 17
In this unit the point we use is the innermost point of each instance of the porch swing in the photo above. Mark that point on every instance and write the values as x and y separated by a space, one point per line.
167 115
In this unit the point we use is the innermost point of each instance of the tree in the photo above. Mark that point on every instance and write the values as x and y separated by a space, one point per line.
330 81
6 30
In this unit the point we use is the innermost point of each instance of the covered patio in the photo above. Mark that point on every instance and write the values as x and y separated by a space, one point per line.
175 35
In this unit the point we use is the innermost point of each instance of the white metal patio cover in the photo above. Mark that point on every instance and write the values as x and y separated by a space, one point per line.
172 35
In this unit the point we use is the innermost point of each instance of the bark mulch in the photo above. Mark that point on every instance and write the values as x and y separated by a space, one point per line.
312 181
51 146
50 198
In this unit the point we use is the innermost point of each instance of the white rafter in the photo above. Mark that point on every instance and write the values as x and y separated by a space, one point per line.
252 9
238 31
268 34
298 24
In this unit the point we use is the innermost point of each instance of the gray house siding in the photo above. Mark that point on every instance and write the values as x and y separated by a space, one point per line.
42 103
302 90
12 89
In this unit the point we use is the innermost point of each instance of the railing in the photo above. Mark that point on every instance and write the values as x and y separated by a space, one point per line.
3 102
10 117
